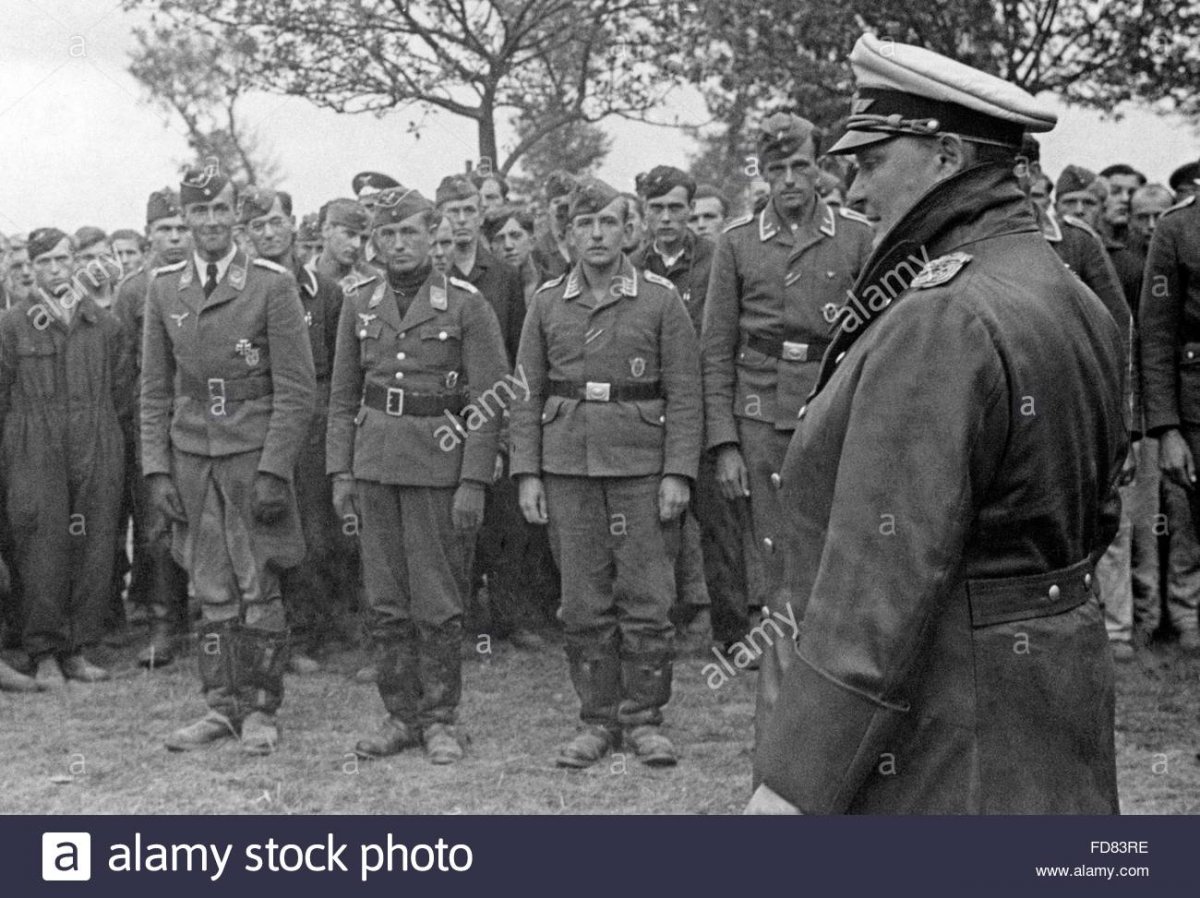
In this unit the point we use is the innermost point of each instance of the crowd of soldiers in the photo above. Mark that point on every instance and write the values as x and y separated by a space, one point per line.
386 402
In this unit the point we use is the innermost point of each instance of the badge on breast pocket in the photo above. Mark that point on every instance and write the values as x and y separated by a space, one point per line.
451 380
829 312
247 351
308 319
437 298
637 367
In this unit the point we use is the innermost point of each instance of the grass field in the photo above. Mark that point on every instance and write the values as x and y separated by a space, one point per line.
98 749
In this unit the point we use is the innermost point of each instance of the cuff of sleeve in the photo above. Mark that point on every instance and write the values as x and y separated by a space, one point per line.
269 466
721 432
821 740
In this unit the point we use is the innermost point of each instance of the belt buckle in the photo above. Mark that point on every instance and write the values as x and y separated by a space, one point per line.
597 392
395 402
216 388
795 352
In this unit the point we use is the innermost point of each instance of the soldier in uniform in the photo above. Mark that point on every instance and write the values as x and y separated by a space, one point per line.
129 248
227 398
949 487
417 352
606 443
308 240
157 584
345 226
710 208
317 589
552 252
65 402
778 280
1169 320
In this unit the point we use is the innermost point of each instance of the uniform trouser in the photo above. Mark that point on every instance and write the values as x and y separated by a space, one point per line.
723 527
1146 527
416 568
618 585
516 557
1113 572
1183 514
157 584
763 448
63 520
318 591
691 590
234 563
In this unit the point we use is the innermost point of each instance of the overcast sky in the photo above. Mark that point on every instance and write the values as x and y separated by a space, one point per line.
78 144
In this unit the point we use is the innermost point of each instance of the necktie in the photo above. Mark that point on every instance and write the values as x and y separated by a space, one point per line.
210 284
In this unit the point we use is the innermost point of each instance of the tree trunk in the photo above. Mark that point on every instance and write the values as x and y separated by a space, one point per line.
488 155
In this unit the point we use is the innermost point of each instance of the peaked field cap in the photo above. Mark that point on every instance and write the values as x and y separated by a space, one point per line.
903 89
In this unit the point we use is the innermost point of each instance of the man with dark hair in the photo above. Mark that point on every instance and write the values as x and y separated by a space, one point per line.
345 226
606 442
157 584
97 269
129 247
18 273
988 383
416 350
227 398
778 280
65 401
308 240
316 592
1184 180
1121 180
710 208
492 187
552 253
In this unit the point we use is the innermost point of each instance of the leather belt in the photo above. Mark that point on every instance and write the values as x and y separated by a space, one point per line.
397 402
238 389
598 391
787 350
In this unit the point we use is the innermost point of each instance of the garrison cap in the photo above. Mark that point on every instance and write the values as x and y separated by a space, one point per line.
43 240
1186 174
89 235
309 229
366 183
162 204
1077 179
255 202
663 179
782 134
199 185
590 196
559 183
454 188
904 89
397 204
348 213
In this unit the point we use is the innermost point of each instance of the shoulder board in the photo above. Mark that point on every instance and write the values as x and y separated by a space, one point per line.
852 215
940 270
167 269
464 285
657 279
269 265
350 286
1079 223
551 284
1182 204
737 223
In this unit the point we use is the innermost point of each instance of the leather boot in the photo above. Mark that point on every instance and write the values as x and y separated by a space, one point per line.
260 735
442 743
14 681
49 675
77 667
160 650
393 737
596 675
646 688
212 727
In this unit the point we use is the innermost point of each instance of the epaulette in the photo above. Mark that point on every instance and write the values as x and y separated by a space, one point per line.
854 215
167 269
550 284
464 285
1079 223
1182 204
657 279
269 265
737 223
350 287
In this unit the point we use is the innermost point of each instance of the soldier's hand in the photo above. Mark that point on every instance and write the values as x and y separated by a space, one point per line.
673 495
732 476
531 496
467 513
1175 459
766 800
270 503
164 498
345 498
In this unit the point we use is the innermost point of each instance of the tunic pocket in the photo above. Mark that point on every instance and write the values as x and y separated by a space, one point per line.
37 365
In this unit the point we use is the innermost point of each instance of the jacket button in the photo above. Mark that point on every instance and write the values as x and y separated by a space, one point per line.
362 335
768 544
662 419
442 335
402 334
1087 581
776 481
400 356
399 375
1055 592
1191 354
